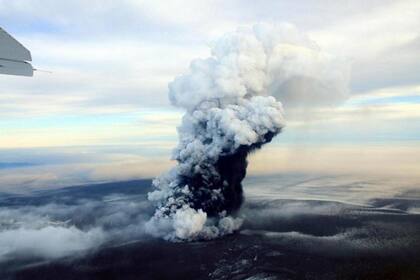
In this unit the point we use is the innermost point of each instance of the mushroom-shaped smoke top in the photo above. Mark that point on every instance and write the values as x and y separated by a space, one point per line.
231 110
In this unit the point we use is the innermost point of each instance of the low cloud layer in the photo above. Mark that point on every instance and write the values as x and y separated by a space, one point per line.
69 226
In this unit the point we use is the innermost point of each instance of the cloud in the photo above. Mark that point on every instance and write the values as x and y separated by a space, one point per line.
92 77
265 59
364 32
382 43
115 58
48 242
70 227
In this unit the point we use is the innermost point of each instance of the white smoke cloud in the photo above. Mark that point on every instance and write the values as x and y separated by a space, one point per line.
276 60
49 241
189 222
230 110
56 230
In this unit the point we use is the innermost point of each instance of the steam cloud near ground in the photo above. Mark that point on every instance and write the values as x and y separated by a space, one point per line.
71 226
231 110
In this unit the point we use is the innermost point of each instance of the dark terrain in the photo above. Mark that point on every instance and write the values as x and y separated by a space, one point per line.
280 239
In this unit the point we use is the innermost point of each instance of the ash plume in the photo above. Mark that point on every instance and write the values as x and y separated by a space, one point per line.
231 111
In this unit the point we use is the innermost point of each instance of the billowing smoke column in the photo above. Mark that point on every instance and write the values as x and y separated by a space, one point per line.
230 111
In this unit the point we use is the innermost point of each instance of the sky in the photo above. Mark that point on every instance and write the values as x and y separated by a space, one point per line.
103 111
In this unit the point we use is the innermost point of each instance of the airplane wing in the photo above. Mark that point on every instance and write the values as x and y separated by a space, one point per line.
14 56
